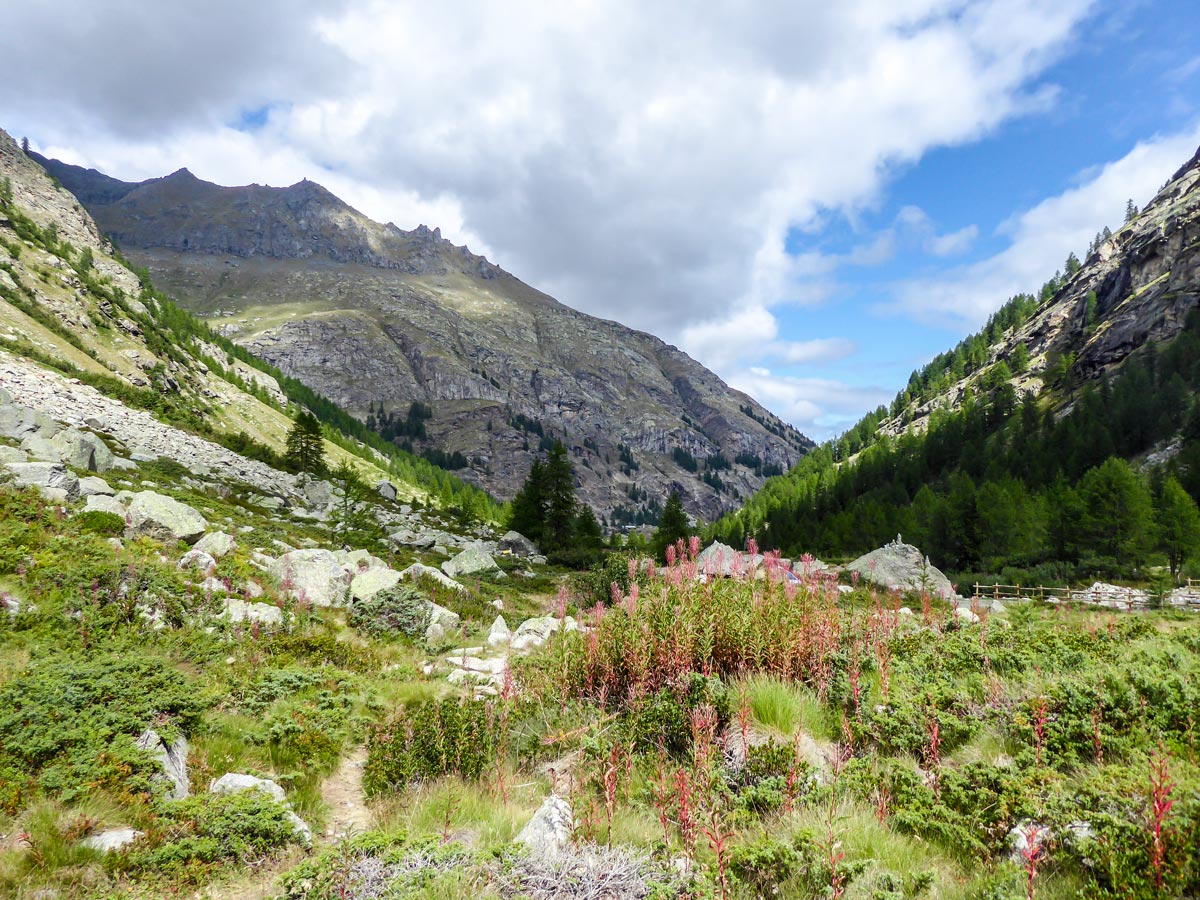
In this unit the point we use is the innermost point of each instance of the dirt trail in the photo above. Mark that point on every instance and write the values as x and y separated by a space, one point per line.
348 814
343 794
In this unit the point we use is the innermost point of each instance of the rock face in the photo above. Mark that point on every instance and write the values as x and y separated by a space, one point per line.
164 518
1145 278
408 316
314 576
901 566
517 544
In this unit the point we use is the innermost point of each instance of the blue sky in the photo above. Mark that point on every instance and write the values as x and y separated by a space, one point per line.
810 198
1131 74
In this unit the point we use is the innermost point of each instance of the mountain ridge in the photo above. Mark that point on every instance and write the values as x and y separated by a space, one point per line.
378 318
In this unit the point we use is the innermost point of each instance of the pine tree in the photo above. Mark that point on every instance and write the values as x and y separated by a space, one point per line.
672 525
559 499
1131 210
25 145
305 451
1177 523
1020 359
351 513
527 512
587 529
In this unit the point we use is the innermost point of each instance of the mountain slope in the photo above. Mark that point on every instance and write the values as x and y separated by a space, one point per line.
1014 447
71 309
378 318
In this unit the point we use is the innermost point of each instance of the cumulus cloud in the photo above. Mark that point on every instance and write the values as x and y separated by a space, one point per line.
643 162
1041 237
820 407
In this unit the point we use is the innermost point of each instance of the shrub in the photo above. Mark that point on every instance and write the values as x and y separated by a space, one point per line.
397 610
444 737
70 724
95 521
193 836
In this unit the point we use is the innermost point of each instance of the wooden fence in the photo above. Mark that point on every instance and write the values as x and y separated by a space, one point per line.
1015 593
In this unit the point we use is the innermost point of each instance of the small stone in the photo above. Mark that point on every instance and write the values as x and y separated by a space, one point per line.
234 782
112 840
499 635
548 833
216 543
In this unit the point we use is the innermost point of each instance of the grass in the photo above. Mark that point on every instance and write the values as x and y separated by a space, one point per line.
784 707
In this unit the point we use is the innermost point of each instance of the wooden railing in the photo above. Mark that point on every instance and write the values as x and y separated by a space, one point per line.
1015 593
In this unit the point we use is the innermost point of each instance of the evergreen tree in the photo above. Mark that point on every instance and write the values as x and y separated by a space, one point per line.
528 510
559 499
587 529
1131 210
305 451
351 513
672 525
25 145
1177 523
1117 512
1020 359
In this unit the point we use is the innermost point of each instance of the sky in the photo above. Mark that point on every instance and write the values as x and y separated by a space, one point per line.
811 198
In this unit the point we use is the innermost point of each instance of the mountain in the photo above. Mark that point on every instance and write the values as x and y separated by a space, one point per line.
1054 444
379 319
84 340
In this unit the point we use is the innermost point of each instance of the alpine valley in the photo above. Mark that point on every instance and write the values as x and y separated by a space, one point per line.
379 319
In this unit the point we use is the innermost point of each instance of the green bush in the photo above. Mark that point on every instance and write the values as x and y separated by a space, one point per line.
399 610
69 725
95 521
191 837
664 720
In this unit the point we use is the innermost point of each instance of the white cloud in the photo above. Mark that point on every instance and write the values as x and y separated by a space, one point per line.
1043 236
643 162
817 350
820 407
953 243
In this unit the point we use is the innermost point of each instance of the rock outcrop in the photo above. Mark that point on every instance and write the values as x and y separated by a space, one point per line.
164 518
902 567
312 576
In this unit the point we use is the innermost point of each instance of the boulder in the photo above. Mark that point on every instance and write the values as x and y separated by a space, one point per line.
435 634
548 833
104 503
197 559
369 582
46 477
112 839
900 566
82 450
164 518
94 484
417 571
439 615
16 421
471 561
172 760
314 576
235 782
386 490
499 636
719 559
216 544
12 455
536 631
517 544
317 494
256 613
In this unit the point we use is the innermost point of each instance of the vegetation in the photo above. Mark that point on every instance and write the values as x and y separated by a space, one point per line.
1005 483
305 447
547 512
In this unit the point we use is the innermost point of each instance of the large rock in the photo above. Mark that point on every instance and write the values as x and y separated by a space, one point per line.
216 544
418 571
314 576
112 840
369 582
902 567
164 518
471 561
536 631
17 421
94 484
82 450
47 477
172 760
104 503
235 782
256 613
439 615
386 490
719 559
548 833
197 559
517 544
499 636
